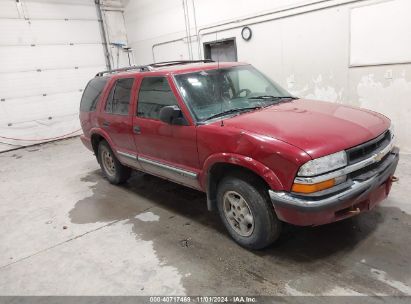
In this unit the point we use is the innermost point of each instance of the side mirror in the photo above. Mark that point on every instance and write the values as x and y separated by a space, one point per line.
172 115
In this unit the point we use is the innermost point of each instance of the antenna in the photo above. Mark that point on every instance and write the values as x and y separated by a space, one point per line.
218 51
218 69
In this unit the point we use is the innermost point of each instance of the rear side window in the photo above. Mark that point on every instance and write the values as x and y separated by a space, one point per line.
155 93
118 101
92 94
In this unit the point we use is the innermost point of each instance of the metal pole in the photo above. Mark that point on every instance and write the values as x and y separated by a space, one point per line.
187 31
103 34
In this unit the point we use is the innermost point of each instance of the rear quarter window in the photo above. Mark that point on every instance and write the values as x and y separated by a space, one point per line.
92 94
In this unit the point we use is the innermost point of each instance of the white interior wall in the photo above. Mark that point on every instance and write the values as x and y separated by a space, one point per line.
303 45
49 49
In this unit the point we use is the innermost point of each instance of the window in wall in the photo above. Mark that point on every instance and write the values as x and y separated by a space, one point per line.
92 94
221 50
155 93
118 101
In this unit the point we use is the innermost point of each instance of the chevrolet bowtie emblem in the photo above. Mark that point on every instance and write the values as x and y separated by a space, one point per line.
379 156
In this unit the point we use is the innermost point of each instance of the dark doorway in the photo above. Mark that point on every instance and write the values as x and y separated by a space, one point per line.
221 50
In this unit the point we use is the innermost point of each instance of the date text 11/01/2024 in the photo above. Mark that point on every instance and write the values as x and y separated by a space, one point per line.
203 299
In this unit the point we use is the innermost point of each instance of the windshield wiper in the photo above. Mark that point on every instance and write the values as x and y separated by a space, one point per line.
271 97
239 110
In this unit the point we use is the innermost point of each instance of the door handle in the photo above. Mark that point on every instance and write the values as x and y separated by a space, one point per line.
137 129
106 124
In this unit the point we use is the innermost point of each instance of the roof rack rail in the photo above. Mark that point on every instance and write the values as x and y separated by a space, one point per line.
142 68
177 62
149 67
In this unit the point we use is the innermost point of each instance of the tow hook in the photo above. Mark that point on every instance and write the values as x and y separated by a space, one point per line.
394 179
356 211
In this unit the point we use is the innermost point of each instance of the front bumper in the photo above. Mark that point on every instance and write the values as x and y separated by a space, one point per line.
362 195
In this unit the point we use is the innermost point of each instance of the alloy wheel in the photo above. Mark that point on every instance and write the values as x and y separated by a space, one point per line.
238 213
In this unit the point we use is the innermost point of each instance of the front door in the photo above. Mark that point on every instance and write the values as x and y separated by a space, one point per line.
166 150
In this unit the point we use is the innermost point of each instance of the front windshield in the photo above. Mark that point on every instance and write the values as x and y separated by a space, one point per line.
217 92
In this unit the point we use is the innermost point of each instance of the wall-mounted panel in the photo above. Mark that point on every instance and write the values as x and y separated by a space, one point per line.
61 31
59 9
22 110
44 57
27 32
381 33
15 32
32 83
8 9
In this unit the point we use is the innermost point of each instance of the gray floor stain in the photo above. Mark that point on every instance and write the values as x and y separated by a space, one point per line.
108 203
334 253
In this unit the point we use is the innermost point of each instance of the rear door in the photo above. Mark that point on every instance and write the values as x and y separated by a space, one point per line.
116 119
169 151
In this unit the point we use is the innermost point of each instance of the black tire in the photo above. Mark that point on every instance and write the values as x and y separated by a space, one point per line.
116 173
266 226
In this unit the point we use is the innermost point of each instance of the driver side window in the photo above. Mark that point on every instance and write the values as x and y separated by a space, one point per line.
155 93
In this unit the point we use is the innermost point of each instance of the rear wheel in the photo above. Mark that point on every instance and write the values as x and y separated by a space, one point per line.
247 213
114 171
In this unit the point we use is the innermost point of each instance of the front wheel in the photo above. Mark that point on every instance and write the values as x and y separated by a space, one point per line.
247 213
114 171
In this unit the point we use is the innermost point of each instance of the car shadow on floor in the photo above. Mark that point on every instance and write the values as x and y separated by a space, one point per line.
299 244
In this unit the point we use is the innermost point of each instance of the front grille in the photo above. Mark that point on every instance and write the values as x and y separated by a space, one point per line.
368 171
366 150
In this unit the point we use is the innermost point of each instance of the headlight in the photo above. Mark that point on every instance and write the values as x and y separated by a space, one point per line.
323 164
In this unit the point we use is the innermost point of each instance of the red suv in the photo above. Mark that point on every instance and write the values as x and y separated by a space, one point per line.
261 155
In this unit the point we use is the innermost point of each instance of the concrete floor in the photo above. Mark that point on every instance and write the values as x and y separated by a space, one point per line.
66 231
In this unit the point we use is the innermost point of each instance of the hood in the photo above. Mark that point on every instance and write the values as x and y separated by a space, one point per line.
319 128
